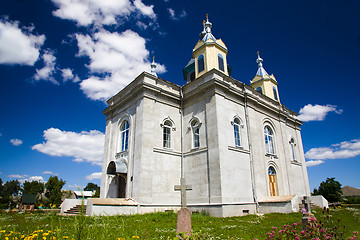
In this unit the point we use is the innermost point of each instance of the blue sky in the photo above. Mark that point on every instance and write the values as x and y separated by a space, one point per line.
61 59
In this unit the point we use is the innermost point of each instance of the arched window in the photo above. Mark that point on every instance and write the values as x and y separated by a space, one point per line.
275 94
196 133
221 62
237 132
269 140
292 149
167 134
272 181
201 63
259 89
124 131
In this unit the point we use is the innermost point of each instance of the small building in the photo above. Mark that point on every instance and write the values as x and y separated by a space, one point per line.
28 202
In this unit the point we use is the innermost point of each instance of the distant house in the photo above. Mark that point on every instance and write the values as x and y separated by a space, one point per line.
83 194
28 201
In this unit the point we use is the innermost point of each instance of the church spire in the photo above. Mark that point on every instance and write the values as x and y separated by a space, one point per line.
261 71
207 30
153 67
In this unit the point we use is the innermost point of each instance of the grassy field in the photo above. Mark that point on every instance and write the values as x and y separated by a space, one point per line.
162 225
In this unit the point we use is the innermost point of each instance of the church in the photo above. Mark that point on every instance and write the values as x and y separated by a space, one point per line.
232 147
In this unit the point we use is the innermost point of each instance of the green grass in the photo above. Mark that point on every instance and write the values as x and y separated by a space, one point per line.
163 225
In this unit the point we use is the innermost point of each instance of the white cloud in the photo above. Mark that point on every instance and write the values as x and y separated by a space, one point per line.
83 146
120 57
35 178
67 74
17 176
317 112
175 17
47 172
314 163
341 150
145 10
98 13
95 175
18 45
16 142
46 72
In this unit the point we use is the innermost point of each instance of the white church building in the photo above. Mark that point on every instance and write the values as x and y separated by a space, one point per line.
237 146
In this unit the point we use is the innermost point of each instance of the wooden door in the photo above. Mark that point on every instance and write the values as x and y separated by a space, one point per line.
122 185
273 187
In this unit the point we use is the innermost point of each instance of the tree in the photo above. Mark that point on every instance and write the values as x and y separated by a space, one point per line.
33 187
53 190
93 187
9 193
330 189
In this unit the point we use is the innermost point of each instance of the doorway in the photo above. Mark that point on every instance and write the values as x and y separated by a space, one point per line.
272 182
122 179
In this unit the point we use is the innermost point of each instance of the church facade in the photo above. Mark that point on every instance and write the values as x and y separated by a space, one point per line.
236 146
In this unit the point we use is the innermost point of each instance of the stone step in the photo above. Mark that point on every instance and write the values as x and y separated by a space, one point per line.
75 210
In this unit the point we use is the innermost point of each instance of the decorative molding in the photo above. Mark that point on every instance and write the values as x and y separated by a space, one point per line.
195 151
296 162
166 151
238 149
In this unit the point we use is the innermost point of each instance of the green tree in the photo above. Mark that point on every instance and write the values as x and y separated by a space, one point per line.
9 193
93 187
330 189
33 187
53 190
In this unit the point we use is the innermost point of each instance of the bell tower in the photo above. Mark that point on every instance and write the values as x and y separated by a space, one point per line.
264 83
207 54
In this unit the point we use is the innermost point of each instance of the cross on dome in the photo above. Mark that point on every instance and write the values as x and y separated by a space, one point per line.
153 67
261 71
207 30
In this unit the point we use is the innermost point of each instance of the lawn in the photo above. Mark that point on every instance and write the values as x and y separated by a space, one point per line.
15 225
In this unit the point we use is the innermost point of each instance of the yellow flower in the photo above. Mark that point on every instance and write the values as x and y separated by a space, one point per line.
135 237
2 231
65 237
120 238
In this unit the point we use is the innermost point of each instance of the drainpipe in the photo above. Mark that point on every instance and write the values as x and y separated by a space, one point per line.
181 131
250 149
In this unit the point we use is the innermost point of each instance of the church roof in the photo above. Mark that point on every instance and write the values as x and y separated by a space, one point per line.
261 70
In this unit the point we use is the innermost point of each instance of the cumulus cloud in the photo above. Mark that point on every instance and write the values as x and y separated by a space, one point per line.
175 17
316 112
19 45
118 57
314 163
35 178
67 75
16 142
46 72
98 13
83 146
95 175
17 176
347 149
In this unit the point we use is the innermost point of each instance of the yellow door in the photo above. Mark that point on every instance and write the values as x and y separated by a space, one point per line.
272 183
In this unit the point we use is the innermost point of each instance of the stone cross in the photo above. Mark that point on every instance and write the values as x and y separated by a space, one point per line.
182 188
306 201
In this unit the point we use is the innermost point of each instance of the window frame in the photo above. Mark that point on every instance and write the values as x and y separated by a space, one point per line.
221 60
237 131
201 64
167 127
195 126
276 97
269 138
124 134
292 149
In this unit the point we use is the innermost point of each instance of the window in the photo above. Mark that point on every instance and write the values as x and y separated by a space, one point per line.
167 134
269 140
275 94
124 135
201 63
221 62
196 133
237 132
259 89
292 149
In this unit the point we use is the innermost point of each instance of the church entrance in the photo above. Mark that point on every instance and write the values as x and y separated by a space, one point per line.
122 179
272 182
